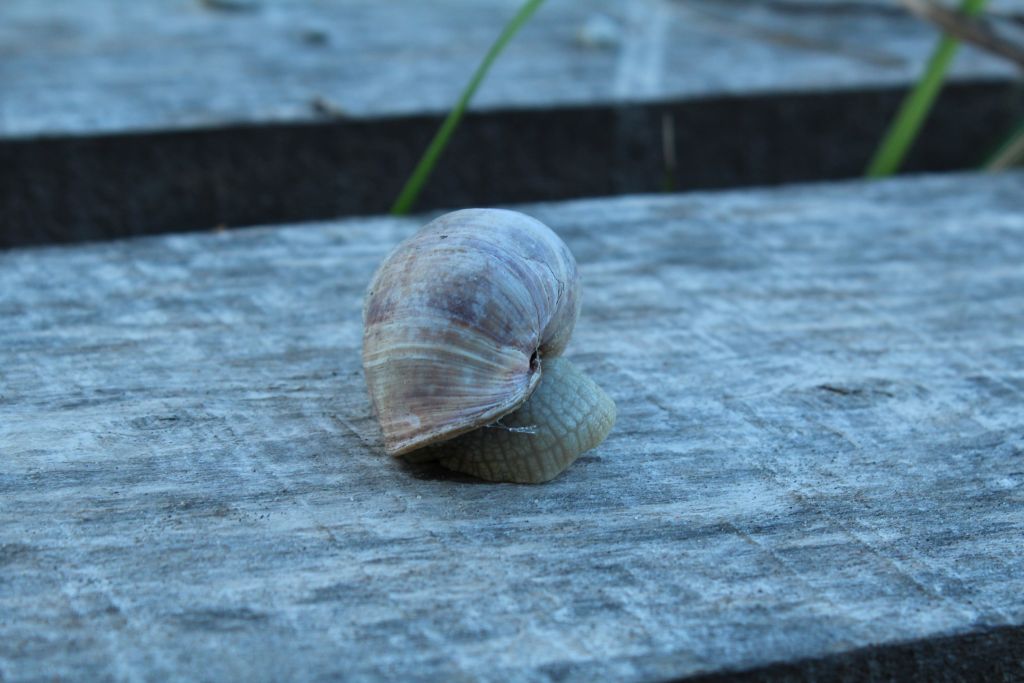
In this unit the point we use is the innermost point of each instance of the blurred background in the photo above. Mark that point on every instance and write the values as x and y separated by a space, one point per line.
122 118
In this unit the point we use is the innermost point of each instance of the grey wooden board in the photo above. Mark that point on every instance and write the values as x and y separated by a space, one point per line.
820 447
95 66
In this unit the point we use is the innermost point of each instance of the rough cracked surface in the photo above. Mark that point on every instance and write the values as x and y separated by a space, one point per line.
568 414
818 455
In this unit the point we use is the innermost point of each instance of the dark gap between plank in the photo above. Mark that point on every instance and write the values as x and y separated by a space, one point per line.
62 190
990 654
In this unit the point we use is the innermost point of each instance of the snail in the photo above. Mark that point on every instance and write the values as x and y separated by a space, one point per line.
464 326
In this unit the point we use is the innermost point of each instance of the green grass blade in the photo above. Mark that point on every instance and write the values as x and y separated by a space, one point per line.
1010 153
907 125
411 191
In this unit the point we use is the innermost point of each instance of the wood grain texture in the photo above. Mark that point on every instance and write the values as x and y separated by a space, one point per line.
84 67
820 447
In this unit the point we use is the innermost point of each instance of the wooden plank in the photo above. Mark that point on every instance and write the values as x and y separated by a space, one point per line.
99 66
820 448
176 115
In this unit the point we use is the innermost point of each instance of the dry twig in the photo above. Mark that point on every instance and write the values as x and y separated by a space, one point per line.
977 31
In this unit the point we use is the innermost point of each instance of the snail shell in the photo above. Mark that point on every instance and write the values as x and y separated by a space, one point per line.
458 322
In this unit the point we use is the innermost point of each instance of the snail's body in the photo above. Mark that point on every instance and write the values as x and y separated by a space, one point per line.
461 323
567 414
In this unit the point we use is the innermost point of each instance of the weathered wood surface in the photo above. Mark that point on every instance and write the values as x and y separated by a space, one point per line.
170 115
820 447
94 66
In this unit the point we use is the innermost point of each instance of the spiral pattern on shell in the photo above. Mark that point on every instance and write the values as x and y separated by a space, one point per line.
456 320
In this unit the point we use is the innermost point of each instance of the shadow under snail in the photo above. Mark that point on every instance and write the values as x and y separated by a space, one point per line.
464 326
